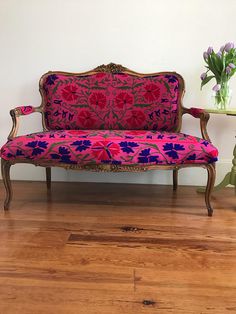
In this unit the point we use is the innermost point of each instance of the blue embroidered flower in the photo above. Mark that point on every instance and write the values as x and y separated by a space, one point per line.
171 150
51 79
212 159
71 116
145 157
156 113
205 143
127 147
192 157
171 78
81 145
163 100
19 152
129 137
64 113
57 101
56 113
38 147
165 111
63 155
160 136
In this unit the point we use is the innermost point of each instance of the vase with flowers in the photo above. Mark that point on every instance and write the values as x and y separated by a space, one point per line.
222 66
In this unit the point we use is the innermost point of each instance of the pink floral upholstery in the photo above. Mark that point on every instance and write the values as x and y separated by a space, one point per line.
24 110
111 101
122 147
196 112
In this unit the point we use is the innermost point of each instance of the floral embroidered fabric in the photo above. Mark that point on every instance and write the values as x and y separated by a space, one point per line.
111 101
121 147
25 110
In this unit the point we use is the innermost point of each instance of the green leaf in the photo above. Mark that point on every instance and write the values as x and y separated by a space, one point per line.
124 87
79 105
216 60
213 68
206 80
138 84
167 87
98 87
142 105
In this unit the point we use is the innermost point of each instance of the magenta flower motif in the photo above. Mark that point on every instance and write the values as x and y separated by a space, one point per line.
216 88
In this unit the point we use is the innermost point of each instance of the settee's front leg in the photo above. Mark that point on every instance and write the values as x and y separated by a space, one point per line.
48 177
5 166
175 179
210 184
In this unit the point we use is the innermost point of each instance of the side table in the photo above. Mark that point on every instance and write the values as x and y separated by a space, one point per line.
230 177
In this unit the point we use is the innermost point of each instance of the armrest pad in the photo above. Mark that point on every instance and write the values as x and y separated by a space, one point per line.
201 114
24 110
196 112
16 113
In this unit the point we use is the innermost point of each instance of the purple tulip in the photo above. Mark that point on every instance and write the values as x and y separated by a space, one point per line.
205 55
222 48
232 66
209 50
228 69
229 46
219 54
203 76
216 88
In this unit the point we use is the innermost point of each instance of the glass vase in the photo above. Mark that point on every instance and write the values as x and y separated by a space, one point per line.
222 98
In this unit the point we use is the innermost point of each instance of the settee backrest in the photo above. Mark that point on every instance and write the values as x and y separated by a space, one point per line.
112 97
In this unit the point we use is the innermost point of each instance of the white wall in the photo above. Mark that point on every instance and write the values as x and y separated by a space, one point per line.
146 36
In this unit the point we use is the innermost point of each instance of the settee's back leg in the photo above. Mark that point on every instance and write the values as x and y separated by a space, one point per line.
5 166
48 177
210 184
175 179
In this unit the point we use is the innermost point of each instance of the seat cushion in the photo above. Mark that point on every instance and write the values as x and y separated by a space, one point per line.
121 147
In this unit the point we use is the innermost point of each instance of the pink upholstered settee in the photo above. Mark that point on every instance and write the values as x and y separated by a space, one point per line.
110 119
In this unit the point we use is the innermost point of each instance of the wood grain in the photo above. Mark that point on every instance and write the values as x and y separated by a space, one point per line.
111 248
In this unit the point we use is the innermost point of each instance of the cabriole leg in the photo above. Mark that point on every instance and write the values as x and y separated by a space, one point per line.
210 184
175 179
48 177
5 166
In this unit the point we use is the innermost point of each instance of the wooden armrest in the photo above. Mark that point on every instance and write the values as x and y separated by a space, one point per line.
201 114
16 113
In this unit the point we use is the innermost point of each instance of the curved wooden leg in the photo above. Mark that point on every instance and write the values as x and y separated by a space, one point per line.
48 177
210 184
175 179
5 166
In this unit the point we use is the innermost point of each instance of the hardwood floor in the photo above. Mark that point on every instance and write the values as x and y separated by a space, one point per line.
109 248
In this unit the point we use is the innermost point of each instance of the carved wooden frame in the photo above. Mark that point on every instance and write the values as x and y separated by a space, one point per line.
110 68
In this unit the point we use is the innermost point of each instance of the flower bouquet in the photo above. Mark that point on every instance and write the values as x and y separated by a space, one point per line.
222 66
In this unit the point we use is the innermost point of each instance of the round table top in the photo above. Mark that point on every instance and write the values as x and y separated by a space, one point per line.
230 111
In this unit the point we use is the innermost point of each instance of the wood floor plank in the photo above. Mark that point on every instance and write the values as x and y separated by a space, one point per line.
116 248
